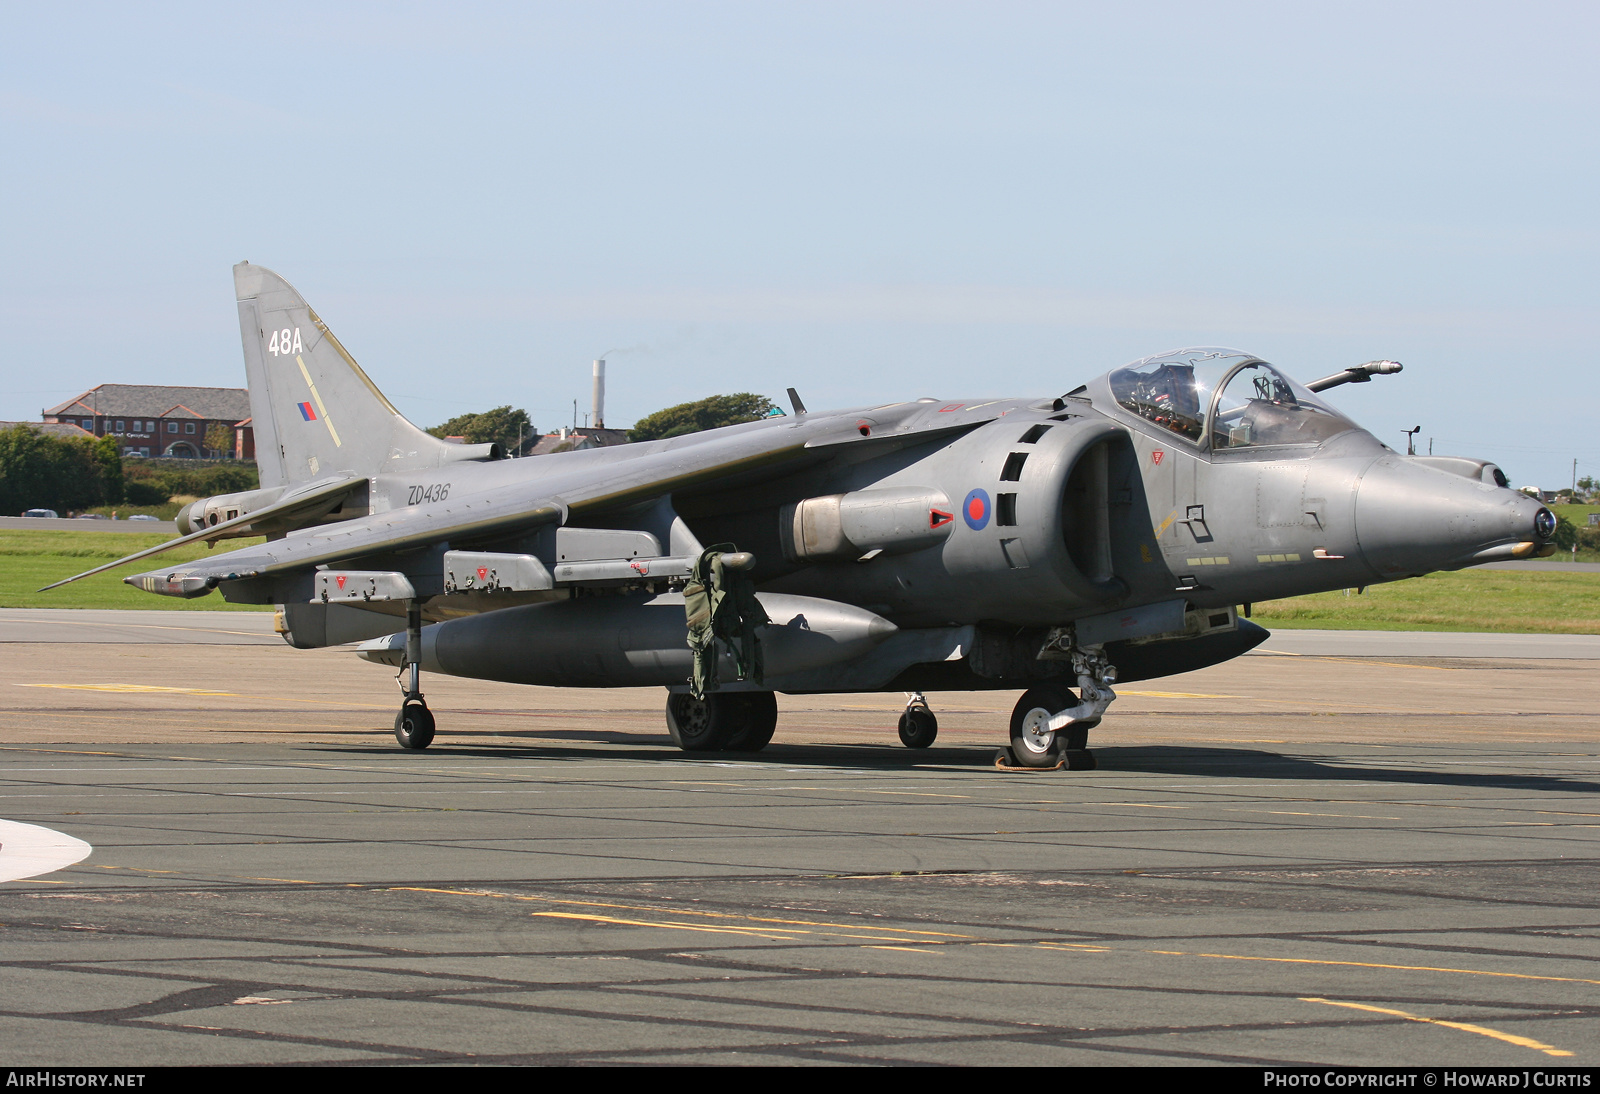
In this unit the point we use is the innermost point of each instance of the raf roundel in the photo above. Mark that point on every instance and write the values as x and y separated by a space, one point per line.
976 510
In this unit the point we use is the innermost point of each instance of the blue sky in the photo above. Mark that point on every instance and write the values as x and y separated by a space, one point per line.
866 201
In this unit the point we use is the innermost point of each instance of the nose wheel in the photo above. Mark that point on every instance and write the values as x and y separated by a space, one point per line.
1035 744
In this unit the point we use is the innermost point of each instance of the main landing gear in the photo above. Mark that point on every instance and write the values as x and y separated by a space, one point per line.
413 726
724 721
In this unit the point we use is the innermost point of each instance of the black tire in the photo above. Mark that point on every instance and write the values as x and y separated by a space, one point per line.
1080 759
1032 746
757 719
413 726
701 725
918 728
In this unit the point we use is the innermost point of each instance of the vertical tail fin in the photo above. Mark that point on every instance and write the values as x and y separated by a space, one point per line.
315 413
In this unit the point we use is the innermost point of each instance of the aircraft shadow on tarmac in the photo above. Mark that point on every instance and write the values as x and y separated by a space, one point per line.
1202 761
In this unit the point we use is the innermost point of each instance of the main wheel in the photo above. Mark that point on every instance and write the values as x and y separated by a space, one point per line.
918 727
413 726
702 725
1031 742
757 719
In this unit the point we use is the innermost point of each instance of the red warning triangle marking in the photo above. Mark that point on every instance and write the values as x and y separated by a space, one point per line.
938 518
340 580
483 573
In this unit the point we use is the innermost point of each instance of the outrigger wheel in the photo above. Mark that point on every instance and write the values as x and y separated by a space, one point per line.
1035 745
733 721
413 726
918 726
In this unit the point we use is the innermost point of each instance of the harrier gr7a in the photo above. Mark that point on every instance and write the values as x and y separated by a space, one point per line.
1050 545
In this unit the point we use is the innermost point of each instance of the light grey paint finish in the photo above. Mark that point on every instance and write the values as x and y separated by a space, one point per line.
1079 509
293 359
1165 617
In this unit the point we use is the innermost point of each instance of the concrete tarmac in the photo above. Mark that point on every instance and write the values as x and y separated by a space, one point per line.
1310 855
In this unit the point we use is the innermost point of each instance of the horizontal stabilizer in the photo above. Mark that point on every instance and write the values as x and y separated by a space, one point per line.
304 498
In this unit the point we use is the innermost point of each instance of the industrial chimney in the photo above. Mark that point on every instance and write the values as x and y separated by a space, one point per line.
600 394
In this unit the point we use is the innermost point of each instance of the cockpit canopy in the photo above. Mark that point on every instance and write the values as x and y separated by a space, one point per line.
1224 399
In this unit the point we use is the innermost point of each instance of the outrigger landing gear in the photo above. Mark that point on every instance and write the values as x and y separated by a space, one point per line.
1050 725
413 726
724 721
918 726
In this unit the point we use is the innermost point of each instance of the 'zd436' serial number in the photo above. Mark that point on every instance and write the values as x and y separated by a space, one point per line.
434 492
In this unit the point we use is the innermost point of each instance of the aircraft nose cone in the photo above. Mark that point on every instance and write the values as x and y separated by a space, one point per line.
1413 519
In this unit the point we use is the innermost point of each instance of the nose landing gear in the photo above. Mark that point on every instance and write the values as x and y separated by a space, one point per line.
1050 726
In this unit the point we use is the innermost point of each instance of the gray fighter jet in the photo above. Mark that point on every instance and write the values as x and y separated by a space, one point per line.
1048 545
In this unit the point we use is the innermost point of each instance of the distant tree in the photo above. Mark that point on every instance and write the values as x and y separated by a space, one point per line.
502 426
152 482
1566 534
709 413
38 471
107 461
219 438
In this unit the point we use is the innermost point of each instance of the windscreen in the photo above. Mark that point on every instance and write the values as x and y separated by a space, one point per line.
1174 390
1224 398
1261 406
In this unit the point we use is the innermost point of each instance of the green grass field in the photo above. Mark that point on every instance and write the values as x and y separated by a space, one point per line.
1513 601
31 560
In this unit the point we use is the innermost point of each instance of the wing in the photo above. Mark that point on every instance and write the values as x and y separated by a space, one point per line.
519 496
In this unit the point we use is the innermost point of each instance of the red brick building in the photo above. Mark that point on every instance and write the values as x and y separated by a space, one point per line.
156 420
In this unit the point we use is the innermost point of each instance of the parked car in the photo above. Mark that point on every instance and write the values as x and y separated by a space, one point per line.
143 516
41 513
92 516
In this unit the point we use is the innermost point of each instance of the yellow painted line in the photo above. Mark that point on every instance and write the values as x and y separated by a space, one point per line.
743 932
1483 1031
129 688
674 911
1178 695
917 794
320 408
1164 525
1377 965
902 949
1299 813
145 626
1354 661
137 689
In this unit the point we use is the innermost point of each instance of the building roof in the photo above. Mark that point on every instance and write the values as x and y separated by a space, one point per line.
53 429
228 404
573 440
